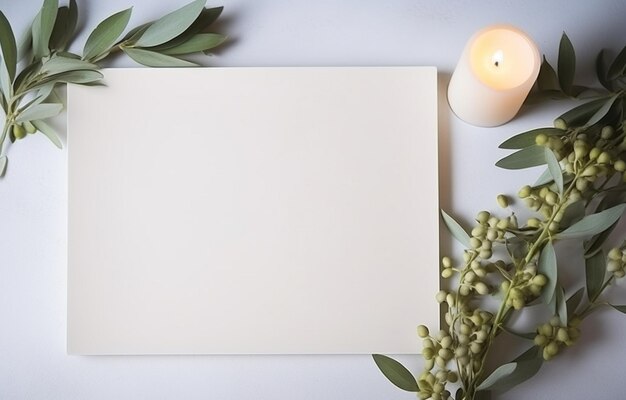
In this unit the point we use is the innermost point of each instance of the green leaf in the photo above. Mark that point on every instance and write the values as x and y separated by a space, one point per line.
60 64
601 70
456 230
547 266
566 64
105 34
574 301
198 43
49 132
64 27
171 25
595 268
527 139
621 309
547 80
544 178
555 169
25 44
525 158
3 165
153 59
593 224
396 373
43 26
78 77
512 374
602 111
618 65
580 115
561 305
8 45
39 111
5 81
573 213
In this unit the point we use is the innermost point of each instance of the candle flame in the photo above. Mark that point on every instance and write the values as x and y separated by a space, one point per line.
497 58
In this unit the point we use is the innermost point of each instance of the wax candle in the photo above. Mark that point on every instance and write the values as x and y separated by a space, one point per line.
497 69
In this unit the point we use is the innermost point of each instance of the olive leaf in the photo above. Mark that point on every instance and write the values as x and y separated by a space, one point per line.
566 64
39 111
456 230
594 223
527 139
547 80
64 26
5 81
595 268
59 64
574 301
49 132
154 59
580 115
105 34
573 213
547 266
602 111
199 42
78 77
560 305
531 156
396 373
8 45
618 65
512 374
171 25
555 169
601 70
3 165
42 28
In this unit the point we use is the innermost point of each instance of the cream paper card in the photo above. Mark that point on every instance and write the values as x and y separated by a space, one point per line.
253 211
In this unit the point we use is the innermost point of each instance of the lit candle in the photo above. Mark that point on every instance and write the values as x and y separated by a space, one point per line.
497 69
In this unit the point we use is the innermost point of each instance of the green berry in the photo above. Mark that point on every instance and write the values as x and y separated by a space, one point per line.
483 217
503 201
524 192
19 131
620 166
422 331
607 132
540 340
541 139
559 123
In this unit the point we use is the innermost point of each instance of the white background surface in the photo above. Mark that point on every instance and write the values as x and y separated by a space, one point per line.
33 363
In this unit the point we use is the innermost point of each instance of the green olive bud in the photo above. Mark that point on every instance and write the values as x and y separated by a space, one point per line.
446 354
492 234
543 192
441 375
582 184
452 377
524 192
483 217
575 195
555 321
594 153
475 243
475 347
553 348
554 226
562 335
615 254
613 265
555 143
518 303
463 339
478 231
503 201
428 353
480 272
504 286
569 168
460 351
470 276
607 132
485 254
481 288
540 340
437 389
441 296
545 330
446 262
464 290
604 158
580 149
18 131
619 165
559 123
447 273
440 361
591 170
446 342
30 128
422 331
451 300
428 343
540 280
466 256
535 290
546 354
465 329
619 274
541 139
533 223
551 198
481 336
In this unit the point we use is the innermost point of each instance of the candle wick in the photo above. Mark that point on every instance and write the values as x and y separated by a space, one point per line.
497 63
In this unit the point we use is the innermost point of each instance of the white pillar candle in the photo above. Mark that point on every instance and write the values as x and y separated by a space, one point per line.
497 69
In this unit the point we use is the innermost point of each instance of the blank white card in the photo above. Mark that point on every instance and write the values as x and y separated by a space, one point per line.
253 211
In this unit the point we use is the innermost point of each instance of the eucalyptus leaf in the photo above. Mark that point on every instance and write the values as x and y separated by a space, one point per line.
396 373
5 81
153 59
573 213
456 230
512 374
547 80
580 115
25 44
574 301
43 26
49 132
199 42
3 165
621 309
595 269
531 156
78 77
602 111
527 139
555 169
171 25
566 64
39 111
8 45
547 266
134 34
64 26
618 65
105 34
594 223
544 178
